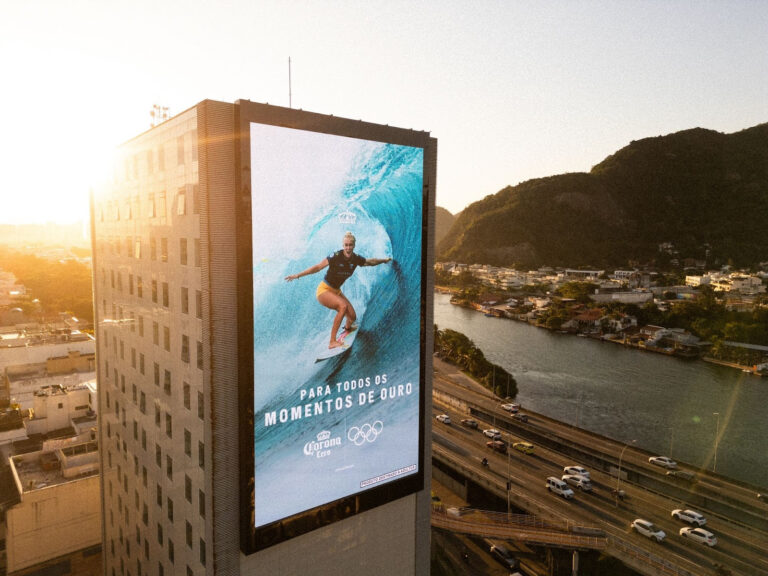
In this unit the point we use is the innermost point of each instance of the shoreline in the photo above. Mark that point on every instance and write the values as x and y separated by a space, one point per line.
478 308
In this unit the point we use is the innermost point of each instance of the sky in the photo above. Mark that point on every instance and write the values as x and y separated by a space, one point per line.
512 90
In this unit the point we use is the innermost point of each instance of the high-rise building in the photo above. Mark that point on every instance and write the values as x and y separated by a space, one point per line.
226 446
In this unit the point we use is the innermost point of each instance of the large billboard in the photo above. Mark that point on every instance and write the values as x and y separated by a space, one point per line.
337 296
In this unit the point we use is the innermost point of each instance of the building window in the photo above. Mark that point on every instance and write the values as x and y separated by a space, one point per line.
137 248
187 443
167 338
154 291
181 202
202 551
165 294
200 355
187 394
158 456
143 403
167 382
159 493
183 251
153 248
164 249
170 510
196 199
157 374
201 455
201 503
160 535
188 488
161 207
185 348
169 425
139 287
184 300
157 415
155 333
189 534
197 252
171 551
198 304
200 406
130 284
141 362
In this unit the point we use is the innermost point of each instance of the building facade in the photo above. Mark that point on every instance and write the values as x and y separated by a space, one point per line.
170 408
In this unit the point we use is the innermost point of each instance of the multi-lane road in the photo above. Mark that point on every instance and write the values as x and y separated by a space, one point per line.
732 510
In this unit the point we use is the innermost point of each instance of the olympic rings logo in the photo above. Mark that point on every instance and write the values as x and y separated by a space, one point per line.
365 433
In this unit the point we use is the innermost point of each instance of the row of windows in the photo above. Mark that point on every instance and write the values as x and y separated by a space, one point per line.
160 294
154 159
154 206
131 247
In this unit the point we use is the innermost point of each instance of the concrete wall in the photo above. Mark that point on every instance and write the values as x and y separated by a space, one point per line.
53 521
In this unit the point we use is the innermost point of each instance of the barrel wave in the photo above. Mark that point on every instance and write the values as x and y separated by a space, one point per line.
354 418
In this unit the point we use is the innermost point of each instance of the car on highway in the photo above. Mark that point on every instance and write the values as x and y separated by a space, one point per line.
663 461
444 418
647 529
511 407
689 516
524 447
492 433
469 423
503 555
559 487
699 535
520 417
579 482
497 445
762 496
684 475
576 470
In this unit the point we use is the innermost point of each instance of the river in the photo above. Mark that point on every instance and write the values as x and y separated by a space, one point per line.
679 408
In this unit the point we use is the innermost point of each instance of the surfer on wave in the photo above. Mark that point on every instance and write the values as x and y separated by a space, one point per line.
341 264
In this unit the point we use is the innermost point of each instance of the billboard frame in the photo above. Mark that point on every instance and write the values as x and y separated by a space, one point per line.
253 539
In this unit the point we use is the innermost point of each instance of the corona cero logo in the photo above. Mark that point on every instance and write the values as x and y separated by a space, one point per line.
359 435
321 447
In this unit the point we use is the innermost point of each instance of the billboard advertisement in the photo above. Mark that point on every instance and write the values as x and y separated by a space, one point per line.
337 235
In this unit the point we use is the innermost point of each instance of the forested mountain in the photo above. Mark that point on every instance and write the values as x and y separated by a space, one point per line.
703 191
443 222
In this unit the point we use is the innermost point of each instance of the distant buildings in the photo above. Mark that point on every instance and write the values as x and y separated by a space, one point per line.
49 478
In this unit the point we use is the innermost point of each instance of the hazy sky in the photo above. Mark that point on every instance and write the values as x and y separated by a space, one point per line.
513 90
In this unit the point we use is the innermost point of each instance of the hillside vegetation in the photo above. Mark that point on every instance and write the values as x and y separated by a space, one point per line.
703 191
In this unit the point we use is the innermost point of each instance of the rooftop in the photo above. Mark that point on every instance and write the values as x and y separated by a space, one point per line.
44 469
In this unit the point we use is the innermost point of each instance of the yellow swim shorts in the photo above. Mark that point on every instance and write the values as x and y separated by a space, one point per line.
323 287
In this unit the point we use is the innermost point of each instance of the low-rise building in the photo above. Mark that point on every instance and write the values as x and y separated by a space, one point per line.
55 526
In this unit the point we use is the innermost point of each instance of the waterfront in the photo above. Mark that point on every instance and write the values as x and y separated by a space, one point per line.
667 405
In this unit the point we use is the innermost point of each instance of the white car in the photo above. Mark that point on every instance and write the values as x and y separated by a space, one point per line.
513 408
699 535
663 461
576 471
581 482
648 529
689 516
492 433
444 418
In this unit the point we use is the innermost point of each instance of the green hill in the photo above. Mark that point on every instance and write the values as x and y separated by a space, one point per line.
703 191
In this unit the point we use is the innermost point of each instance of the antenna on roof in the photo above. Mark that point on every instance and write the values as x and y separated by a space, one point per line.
290 101
159 114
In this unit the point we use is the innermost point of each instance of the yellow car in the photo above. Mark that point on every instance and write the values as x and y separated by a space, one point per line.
524 447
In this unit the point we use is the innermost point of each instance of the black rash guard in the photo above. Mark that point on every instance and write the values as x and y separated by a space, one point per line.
339 268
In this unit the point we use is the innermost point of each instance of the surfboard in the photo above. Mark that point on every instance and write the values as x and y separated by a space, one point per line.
346 338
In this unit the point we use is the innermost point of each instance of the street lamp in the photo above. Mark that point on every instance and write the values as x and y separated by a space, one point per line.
618 476
717 439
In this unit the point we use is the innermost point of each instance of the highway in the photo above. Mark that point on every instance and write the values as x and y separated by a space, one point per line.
733 512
